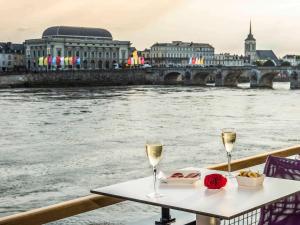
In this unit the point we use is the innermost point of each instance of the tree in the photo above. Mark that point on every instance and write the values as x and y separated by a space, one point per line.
269 63
285 63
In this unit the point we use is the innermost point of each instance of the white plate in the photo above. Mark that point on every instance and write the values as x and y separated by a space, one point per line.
167 179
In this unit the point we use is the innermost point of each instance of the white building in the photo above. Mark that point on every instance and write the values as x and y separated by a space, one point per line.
11 56
179 53
228 60
94 47
294 60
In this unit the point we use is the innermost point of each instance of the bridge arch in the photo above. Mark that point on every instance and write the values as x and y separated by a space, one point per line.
173 77
231 79
266 80
200 78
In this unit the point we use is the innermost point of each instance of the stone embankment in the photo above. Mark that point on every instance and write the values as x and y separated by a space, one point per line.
80 78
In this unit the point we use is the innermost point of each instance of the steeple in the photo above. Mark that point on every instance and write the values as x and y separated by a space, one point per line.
250 35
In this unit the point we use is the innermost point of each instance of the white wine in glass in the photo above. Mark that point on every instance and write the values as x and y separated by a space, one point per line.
228 138
154 154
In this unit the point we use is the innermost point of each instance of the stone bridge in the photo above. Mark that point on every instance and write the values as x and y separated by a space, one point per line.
259 77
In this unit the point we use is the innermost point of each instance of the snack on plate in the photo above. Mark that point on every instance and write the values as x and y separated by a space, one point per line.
249 173
181 177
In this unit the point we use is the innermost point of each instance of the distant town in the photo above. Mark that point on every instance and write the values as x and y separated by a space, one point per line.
64 48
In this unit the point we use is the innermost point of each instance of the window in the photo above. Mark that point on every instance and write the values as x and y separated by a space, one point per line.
93 54
100 54
85 54
77 53
114 55
69 53
107 54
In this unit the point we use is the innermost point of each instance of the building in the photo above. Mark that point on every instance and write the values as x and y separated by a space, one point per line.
180 53
265 55
146 54
294 60
11 57
252 54
250 46
227 60
76 47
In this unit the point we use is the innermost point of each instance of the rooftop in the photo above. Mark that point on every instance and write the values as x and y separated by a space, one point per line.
183 44
77 32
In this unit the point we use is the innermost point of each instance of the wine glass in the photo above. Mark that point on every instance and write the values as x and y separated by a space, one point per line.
154 153
228 138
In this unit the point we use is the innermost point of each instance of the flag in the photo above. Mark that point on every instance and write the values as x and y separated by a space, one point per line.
132 61
202 61
129 61
143 60
49 60
193 60
78 61
135 57
62 61
54 60
58 60
66 61
41 61
70 60
190 61
73 60
46 61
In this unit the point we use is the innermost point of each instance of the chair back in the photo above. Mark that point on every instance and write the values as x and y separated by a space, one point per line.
286 211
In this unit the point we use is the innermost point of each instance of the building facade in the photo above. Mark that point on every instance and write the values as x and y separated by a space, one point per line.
294 60
146 54
93 48
11 57
228 60
179 53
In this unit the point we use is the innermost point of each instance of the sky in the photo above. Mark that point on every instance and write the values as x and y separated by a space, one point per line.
222 23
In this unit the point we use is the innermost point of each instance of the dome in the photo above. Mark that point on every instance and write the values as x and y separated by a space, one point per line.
77 32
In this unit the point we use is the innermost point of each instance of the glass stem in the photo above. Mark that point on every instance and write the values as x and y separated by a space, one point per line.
154 179
229 162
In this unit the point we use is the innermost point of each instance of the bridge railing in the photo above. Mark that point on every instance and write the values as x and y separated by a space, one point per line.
91 202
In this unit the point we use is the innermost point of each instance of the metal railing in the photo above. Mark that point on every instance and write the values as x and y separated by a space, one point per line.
91 202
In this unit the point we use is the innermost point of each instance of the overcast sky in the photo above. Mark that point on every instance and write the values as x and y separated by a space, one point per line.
222 23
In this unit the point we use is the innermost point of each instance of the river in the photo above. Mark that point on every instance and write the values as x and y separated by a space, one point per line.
57 144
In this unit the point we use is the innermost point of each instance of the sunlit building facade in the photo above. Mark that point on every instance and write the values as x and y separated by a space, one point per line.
179 53
11 57
75 47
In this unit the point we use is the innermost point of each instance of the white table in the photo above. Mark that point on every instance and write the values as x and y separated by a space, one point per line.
209 205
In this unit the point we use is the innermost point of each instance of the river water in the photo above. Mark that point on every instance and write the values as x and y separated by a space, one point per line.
57 144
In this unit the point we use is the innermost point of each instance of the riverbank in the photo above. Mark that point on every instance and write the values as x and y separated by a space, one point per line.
79 78
150 76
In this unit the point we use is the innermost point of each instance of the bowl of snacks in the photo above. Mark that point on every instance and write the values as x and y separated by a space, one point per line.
250 179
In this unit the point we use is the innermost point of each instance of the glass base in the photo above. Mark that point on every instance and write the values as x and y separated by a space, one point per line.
154 195
229 176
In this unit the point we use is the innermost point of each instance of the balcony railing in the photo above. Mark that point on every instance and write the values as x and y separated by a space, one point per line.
91 202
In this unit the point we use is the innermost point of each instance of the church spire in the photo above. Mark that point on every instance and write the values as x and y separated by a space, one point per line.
250 35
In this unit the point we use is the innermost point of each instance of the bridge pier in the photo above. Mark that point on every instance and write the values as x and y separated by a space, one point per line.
295 80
